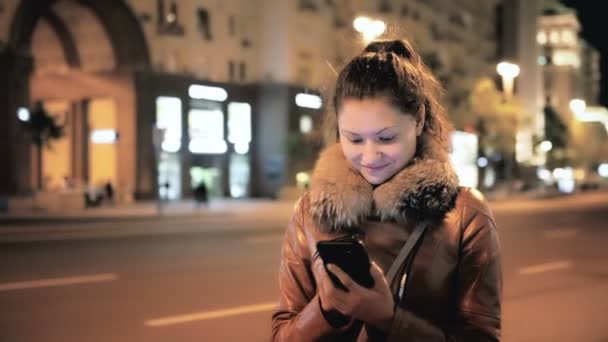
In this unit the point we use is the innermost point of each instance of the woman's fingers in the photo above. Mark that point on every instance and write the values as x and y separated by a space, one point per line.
344 278
377 273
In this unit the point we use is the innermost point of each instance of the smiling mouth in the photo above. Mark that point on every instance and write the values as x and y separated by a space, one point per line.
375 168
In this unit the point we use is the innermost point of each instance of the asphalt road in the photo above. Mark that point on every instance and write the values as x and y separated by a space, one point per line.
190 282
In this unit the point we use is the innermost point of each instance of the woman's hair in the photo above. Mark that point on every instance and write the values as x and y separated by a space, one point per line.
393 69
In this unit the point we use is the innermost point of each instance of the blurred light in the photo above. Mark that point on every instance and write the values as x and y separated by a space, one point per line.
305 124
207 93
170 18
241 147
171 144
206 146
23 114
559 173
308 101
369 28
361 23
577 106
541 60
602 170
594 114
508 70
482 162
579 174
104 136
463 155
567 37
566 57
544 174
546 146
565 179
566 185
541 38
302 177
239 123
554 37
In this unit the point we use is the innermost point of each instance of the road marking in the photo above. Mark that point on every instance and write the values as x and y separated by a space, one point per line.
205 315
550 266
560 234
93 278
264 239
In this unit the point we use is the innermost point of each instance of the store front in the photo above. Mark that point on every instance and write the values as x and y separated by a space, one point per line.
205 136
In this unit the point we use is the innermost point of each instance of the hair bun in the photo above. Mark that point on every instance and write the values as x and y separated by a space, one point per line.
398 47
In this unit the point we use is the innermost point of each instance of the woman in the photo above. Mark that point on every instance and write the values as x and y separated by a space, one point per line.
387 180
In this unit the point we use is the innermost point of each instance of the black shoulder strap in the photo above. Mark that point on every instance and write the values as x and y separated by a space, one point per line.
405 251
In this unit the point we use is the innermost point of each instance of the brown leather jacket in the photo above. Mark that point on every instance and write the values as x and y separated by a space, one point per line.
454 284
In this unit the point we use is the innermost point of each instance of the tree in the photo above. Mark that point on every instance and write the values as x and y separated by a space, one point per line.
557 133
43 129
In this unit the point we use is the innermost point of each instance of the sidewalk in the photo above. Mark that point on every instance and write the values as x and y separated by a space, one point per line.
150 209
216 208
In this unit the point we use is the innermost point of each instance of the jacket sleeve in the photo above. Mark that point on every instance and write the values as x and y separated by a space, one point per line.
298 314
478 289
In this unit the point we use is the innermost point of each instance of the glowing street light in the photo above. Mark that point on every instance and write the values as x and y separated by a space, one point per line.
578 106
508 72
369 28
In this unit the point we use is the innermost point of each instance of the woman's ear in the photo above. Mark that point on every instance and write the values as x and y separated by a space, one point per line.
420 122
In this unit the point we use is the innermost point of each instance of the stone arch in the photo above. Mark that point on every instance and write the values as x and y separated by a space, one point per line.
129 49
118 20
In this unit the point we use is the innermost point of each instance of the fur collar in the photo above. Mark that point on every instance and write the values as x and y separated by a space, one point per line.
341 199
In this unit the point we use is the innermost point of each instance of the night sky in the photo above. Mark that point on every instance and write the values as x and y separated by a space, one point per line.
593 19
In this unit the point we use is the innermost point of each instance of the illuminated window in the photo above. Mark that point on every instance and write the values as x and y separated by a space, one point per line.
554 37
308 101
239 126
207 93
541 38
206 129
104 136
567 37
169 119
305 124
566 58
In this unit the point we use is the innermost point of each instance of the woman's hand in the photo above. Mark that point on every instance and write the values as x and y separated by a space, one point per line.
374 306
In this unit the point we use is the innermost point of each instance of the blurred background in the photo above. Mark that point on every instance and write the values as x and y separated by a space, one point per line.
152 151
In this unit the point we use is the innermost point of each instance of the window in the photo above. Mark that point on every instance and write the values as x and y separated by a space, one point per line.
168 21
306 124
567 37
384 7
307 5
541 38
231 26
554 37
204 23
242 71
231 70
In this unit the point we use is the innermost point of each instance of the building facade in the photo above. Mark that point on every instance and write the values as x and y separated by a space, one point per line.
158 96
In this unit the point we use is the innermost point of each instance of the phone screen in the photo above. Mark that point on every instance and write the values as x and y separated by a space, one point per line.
351 257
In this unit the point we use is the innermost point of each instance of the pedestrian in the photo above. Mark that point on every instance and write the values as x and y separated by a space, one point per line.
200 194
388 183
109 192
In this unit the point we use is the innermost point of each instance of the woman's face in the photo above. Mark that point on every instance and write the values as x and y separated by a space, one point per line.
377 138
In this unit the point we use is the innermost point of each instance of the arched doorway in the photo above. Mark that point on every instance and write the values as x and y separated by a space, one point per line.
79 57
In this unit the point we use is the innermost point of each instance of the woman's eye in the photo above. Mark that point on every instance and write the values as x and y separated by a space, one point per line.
386 139
356 140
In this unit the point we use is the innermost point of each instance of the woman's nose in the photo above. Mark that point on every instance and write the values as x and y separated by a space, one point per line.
370 154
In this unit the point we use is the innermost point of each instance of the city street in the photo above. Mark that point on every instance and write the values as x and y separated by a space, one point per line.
213 278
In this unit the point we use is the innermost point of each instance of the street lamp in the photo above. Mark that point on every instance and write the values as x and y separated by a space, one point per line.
369 28
508 72
577 106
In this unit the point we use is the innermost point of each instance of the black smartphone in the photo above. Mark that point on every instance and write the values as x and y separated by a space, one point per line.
351 257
